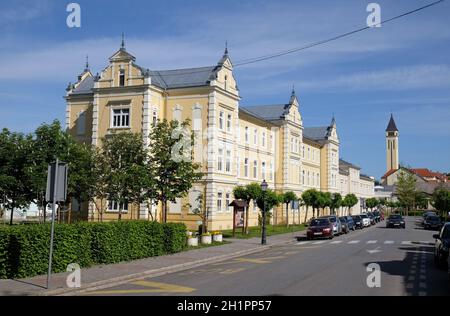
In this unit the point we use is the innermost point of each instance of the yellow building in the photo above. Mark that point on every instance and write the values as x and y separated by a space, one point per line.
235 145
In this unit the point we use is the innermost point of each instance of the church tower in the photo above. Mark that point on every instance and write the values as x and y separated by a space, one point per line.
391 145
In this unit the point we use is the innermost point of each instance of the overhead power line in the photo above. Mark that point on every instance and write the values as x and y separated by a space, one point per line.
298 49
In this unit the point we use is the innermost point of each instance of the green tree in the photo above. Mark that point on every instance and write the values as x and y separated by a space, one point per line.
125 154
350 200
248 193
171 159
372 202
287 198
406 190
14 178
324 201
307 197
336 202
441 201
268 200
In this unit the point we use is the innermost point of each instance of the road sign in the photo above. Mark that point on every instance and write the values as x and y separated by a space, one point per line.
56 180
56 192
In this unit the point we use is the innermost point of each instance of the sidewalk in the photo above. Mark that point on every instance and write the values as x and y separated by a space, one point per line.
103 276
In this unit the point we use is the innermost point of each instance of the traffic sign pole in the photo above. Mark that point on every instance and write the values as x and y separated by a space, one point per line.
53 223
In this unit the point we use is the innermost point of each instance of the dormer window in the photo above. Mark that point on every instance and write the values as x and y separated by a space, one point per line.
226 82
122 78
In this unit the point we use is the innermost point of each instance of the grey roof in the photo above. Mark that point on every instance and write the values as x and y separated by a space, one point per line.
183 78
345 165
316 133
267 112
85 86
365 177
165 79
391 126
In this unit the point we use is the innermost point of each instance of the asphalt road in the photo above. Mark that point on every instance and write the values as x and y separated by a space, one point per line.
326 267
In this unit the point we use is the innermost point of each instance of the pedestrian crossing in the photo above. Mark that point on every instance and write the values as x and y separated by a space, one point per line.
368 242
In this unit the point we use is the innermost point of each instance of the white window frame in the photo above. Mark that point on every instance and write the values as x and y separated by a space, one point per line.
264 139
255 137
219 202
221 117
112 115
255 169
263 170
246 166
115 209
229 122
247 136
220 159
227 202
228 161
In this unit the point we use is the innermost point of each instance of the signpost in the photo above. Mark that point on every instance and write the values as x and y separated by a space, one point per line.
56 192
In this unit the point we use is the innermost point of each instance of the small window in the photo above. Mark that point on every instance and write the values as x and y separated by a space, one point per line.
264 139
221 120
246 167
81 124
246 134
121 118
155 118
220 160
122 78
228 161
263 170
255 136
227 202
219 202
115 206
255 169
229 123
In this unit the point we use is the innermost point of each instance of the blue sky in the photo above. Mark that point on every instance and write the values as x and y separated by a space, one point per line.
403 67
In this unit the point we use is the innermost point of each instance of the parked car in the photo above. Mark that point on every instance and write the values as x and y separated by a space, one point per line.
347 224
350 222
372 218
320 228
377 216
337 226
395 220
358 221
365 220
426 214
442 245
432 222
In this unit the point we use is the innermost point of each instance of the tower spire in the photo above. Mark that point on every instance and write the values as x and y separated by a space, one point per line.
122 46
226 48
86 68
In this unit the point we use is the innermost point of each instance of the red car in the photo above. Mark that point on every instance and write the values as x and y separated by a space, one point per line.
320 228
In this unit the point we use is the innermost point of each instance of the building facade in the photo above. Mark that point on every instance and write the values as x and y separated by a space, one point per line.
235 144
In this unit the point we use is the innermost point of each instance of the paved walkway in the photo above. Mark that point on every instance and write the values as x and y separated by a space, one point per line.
103 275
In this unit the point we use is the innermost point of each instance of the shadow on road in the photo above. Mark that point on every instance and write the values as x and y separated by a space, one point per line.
420 276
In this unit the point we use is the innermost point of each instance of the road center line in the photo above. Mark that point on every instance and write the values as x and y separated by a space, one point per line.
353 242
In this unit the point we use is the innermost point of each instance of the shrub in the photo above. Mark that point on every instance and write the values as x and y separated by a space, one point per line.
174 237
24 249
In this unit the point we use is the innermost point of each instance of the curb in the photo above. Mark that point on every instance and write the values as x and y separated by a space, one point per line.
99 285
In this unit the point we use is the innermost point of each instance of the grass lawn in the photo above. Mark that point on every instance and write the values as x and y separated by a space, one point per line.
270 230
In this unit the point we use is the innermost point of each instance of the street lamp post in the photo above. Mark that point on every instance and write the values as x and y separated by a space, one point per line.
264 186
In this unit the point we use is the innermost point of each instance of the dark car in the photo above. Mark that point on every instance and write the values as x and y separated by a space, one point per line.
372 218
320 228
347 224
377 216
358 222
425 215
432 222
441 246
395 220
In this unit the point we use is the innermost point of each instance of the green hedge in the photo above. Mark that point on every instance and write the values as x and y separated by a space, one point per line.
24 249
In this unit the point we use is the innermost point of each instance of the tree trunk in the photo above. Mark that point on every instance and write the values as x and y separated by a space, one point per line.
246 217
12 215
287 215
306 213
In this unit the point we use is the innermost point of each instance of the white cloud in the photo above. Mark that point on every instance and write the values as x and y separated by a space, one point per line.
400 78
21 11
